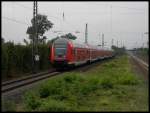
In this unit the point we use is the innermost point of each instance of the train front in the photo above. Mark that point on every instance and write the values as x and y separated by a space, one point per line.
61 52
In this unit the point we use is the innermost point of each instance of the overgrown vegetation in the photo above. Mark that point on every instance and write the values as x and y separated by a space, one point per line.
119 51
111 86
17 59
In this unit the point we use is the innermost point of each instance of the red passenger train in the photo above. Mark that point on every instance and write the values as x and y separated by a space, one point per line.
64 52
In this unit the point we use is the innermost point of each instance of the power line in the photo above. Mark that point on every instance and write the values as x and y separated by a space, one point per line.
105 13
137 9
29 8
117 6
23 23
93 12
128 8
71 24
17 21
61 20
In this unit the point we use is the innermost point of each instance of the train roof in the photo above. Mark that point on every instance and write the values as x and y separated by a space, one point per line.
80 45
61 40
84 45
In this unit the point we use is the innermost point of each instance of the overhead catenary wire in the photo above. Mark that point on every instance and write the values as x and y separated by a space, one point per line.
29 8
136 10
14 20
21 5
67 23
23 23
49 16
131 8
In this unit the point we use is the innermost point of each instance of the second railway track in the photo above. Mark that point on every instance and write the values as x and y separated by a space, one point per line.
17 83
10 85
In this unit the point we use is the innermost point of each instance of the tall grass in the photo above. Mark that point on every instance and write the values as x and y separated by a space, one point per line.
73 90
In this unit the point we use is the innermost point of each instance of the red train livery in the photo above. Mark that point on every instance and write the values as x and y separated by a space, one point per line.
64 52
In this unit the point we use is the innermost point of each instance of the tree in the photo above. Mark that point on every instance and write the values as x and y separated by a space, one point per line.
43 25
118 50
69 36
43 40
25 41
49 42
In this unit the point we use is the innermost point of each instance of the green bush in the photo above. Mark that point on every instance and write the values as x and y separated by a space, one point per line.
51 88
17 59
75 91
89 85
4 60
107 83
53 106
32 101
128 80
44 91
44 57
72 78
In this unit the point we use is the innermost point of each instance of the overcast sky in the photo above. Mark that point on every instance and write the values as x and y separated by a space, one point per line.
122 21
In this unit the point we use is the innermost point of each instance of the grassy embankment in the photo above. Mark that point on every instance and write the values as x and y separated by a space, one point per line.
111 86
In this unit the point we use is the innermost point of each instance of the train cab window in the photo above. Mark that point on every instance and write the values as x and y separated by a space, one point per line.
60 49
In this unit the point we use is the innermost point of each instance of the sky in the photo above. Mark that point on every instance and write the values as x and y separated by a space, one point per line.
125 22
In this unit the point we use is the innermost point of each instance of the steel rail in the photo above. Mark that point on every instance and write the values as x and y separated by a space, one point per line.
25 78
141 62
13 84
18 84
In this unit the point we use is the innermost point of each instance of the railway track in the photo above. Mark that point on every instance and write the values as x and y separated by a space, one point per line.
144 65
141 67
13 91
13 84
21 82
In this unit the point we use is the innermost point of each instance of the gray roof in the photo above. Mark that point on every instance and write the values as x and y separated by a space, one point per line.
83 45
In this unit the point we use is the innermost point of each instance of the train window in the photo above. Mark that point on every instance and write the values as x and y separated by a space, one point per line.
60 51
74 51
60 48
